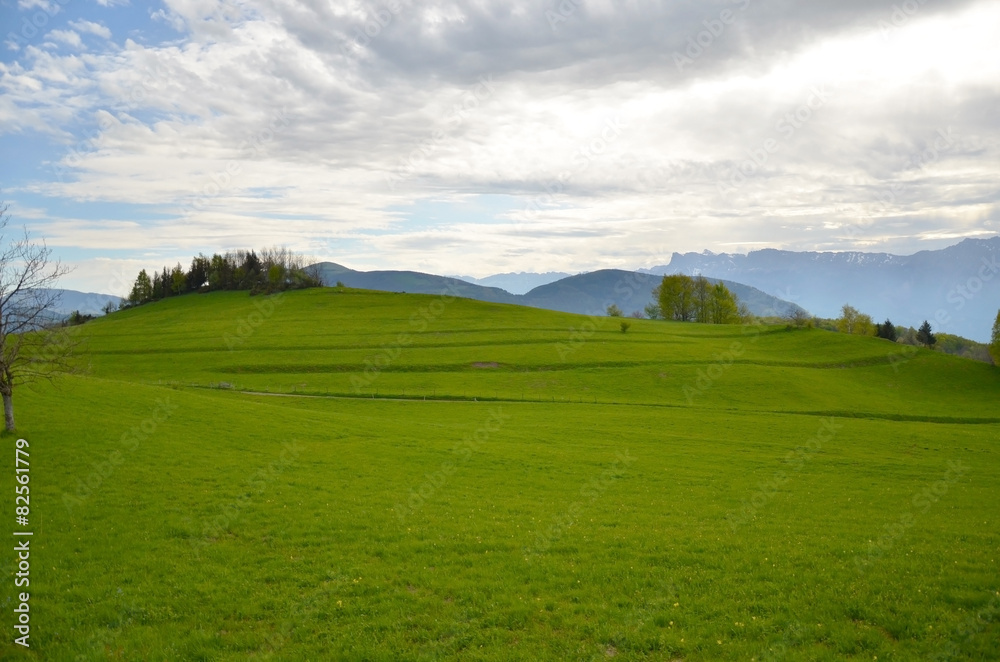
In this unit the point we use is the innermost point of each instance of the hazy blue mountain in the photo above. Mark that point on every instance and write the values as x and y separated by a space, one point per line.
588 294
413 282
517 283
88 303
957 288
593 292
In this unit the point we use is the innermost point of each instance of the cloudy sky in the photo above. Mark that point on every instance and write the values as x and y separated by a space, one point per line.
476 137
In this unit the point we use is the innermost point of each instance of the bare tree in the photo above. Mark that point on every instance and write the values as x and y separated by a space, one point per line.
797 316
29 348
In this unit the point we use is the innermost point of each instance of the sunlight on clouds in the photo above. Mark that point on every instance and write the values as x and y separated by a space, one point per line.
606 139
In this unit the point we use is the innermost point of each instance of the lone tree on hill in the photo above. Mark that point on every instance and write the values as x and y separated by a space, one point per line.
142 291
995 341
797 316
614 311
854 322
924 335
28 351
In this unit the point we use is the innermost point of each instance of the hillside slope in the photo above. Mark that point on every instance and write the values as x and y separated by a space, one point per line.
344 474
348 342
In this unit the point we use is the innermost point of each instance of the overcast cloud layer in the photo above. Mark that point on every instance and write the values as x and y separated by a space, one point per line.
483 137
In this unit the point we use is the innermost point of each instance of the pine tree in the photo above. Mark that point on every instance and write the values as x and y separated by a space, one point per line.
924 335
142 291
886 330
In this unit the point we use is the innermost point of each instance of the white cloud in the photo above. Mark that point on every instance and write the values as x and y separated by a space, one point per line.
170 18
68 37
82 25
48 6
846 120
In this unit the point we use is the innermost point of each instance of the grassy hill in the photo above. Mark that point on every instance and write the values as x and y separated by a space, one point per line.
406 477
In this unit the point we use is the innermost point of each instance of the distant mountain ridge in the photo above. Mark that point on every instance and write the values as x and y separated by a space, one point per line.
956 288
517 283
88 303
590 293
587 294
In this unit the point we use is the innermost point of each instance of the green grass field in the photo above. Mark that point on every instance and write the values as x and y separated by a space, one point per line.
403 477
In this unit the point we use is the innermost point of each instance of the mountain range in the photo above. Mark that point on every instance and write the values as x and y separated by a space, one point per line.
587 294
88 303
957 289
516 283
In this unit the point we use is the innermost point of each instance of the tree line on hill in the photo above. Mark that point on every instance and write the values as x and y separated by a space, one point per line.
854 322
678 297
685 299
272 270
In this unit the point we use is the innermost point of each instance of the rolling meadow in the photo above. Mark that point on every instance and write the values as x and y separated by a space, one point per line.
345 474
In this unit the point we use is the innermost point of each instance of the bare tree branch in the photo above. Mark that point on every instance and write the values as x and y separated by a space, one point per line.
30 348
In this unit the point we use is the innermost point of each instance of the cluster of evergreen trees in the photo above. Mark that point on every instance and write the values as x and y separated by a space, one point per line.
685 299
857 323
271 270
